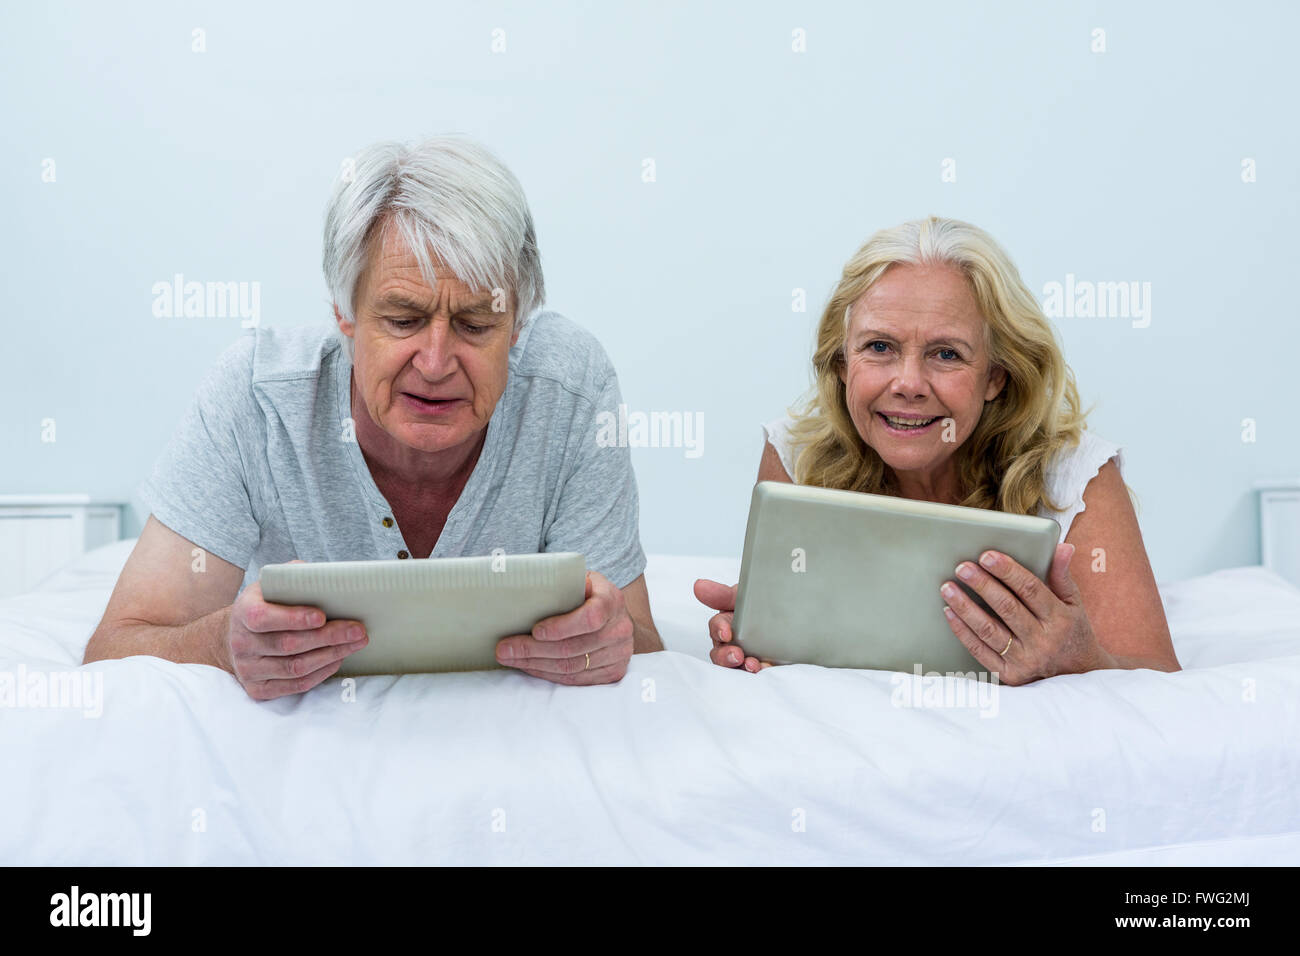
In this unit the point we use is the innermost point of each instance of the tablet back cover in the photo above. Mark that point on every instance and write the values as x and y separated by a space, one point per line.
430 615
846 579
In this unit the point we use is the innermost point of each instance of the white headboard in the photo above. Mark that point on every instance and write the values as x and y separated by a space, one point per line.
1279 527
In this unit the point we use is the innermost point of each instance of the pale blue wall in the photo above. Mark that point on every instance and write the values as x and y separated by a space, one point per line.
772 166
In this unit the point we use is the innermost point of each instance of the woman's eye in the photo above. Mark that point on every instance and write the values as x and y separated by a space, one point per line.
948 355
871 347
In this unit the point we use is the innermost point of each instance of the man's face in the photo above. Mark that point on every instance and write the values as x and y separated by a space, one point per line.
429 365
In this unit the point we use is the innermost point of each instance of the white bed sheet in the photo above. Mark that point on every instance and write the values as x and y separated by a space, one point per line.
681 762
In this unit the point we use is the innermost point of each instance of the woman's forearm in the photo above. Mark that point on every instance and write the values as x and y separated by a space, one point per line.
1120 662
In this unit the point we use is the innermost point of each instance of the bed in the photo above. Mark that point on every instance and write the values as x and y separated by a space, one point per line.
682 762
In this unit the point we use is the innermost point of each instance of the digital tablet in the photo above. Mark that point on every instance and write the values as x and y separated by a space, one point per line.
846 579
433 614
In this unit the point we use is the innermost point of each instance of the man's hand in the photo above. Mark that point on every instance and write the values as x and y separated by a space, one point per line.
278 649
592 644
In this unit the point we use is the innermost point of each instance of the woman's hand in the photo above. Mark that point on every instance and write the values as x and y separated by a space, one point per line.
1040 629
722 598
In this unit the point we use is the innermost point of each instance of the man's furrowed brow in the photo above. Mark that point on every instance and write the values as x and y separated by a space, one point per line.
397 300
480 305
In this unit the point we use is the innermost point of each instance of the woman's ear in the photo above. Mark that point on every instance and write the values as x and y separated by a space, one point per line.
997 381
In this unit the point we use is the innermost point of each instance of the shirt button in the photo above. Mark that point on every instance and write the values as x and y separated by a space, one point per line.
402 554
387 522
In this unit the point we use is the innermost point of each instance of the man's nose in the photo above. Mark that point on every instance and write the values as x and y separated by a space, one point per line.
433 359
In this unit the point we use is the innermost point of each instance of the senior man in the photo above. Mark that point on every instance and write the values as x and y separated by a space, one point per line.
445 415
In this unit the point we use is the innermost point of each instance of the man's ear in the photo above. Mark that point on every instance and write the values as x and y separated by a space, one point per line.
346 327
997 381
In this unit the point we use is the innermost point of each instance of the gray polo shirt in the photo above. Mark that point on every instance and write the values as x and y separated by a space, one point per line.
264 467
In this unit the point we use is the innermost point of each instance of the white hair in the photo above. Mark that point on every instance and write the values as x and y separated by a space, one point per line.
448 196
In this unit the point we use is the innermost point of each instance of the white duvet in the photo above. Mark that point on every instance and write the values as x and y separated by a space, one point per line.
681 762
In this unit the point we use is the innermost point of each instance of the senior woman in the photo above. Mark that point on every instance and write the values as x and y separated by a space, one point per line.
938 378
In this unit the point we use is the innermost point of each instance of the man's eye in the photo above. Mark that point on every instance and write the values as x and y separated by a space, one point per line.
403 325
473 329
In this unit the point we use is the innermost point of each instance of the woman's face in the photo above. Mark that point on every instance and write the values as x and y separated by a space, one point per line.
916 370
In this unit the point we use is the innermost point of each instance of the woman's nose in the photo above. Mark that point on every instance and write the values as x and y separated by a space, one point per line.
910 380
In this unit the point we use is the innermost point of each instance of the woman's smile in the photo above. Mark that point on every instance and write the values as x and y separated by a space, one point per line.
907 426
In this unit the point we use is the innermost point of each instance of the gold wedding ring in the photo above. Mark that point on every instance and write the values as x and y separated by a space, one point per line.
588 664
1008 647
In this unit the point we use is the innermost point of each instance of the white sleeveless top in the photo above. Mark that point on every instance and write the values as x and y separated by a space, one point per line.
1067 476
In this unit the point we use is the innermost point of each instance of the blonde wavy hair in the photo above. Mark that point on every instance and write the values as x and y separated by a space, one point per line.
1002 465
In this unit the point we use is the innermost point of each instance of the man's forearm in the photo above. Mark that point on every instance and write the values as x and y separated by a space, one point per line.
201 641
645 639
